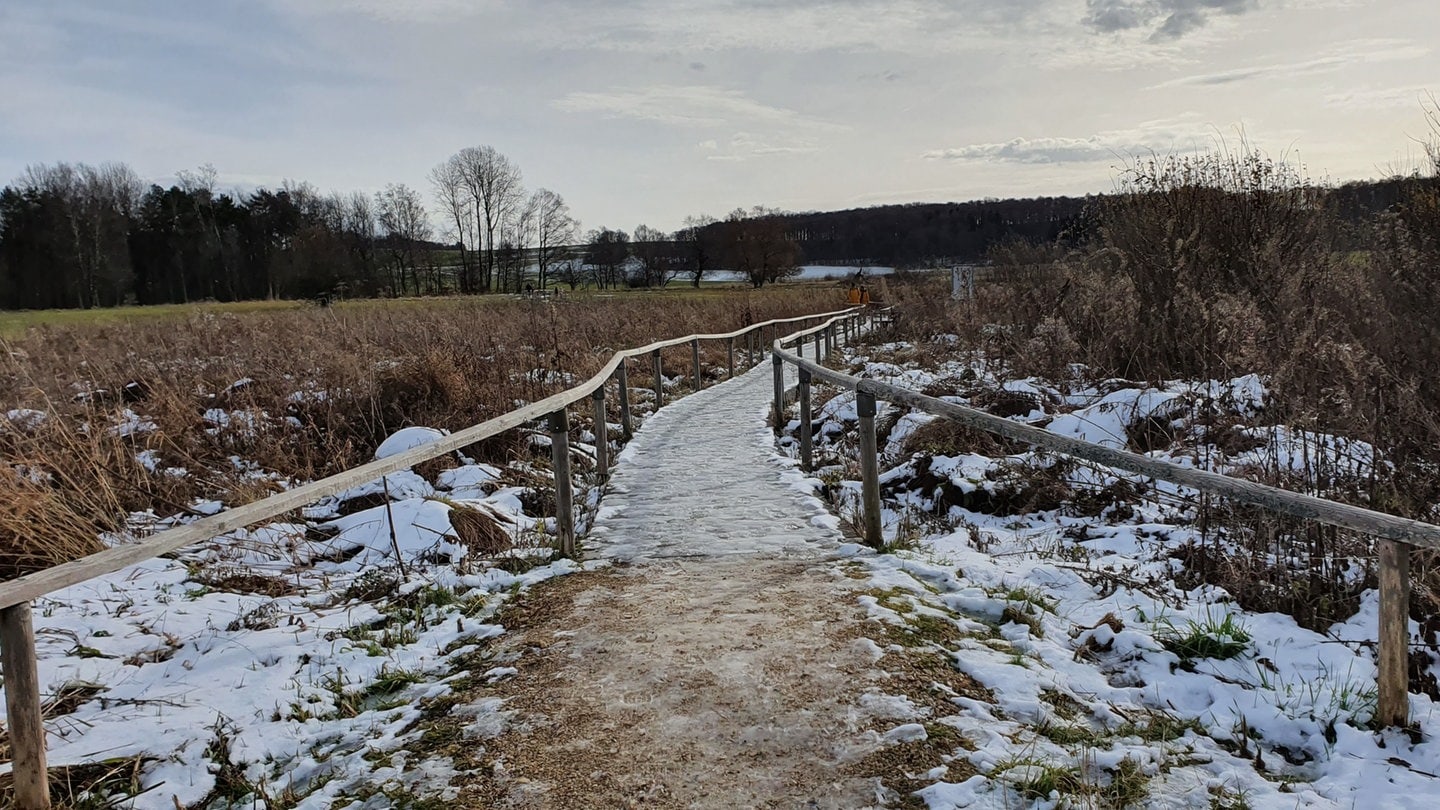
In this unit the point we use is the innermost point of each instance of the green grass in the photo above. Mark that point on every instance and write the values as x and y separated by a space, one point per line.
1039 780
1211 638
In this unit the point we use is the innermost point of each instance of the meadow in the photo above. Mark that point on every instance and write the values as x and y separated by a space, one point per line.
115 418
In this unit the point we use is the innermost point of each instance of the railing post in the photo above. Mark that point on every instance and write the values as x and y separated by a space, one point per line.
869 470
659 381
1392 706
779 366
807 442
564 500
818 339
602 435
695 355
627 427
22 707
830 336
730 352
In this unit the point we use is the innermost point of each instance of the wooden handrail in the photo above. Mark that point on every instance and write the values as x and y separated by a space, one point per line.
32 586
17 637
1276 499
1395 535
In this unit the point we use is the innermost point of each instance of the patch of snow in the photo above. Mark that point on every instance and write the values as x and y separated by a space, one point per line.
407 439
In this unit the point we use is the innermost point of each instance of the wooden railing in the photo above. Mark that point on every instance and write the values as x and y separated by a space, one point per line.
17 633
1395 536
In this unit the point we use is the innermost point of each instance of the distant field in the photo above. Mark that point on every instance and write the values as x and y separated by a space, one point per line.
15 324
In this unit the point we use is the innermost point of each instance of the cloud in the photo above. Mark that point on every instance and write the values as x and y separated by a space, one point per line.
1382 98
1166 19
795 26
1171 136
757 129
683 106
391 11
1368 51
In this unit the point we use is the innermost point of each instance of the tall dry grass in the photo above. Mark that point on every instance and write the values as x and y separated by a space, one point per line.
1219 265
306 393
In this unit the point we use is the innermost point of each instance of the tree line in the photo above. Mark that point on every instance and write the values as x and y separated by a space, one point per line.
76 235
82 236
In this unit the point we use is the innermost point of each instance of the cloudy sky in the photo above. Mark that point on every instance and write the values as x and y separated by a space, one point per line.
650 110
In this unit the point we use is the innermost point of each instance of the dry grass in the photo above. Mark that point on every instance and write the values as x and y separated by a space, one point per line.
1215 266
108 783
305 393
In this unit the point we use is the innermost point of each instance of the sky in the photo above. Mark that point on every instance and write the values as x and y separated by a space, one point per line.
642 111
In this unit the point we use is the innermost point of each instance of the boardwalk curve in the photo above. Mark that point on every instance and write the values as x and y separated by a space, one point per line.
718 662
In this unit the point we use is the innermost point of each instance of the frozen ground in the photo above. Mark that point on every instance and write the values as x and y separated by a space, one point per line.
1109 682
725 647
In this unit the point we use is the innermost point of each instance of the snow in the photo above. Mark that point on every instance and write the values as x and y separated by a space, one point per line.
1064 620
407 439
660 497
26 419
274 639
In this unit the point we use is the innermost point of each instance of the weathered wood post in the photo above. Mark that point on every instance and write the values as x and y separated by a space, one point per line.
695 355
869 470
22 707
730 357
830 343
779 366
819 336
559 424
807 442
659 382
622 380
602 436
1392 706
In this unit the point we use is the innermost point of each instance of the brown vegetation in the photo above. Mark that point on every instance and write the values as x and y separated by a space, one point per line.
230 407
1220 265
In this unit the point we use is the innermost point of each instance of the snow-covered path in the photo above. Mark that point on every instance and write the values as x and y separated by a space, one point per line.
700 480
719 662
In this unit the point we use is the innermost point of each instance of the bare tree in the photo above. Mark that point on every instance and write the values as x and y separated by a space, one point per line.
759 246
697 246
656 253
448 182
358 218
570 270
555 229
199 185
404 228
606 252
493 183
518 234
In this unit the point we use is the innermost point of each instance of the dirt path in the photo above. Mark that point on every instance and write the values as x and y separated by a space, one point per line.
718 663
